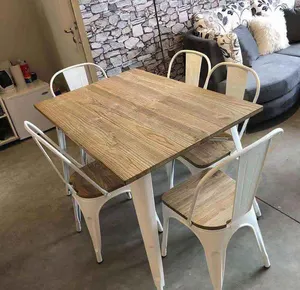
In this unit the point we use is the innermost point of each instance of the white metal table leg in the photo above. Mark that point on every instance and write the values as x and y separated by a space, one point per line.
63 145
238 145
143 199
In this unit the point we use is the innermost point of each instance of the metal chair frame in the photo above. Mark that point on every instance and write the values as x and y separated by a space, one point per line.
237 76
250 164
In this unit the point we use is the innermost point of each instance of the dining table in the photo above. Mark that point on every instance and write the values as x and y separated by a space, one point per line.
136 122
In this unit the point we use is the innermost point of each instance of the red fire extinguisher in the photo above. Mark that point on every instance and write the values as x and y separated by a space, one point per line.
25 70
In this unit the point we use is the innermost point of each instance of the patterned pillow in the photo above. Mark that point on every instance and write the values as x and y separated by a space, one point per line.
205 33
224 19
230 47
263 7
228 43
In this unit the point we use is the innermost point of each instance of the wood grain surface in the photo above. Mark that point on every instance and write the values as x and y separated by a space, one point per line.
208 153
137 121
214 206
102 175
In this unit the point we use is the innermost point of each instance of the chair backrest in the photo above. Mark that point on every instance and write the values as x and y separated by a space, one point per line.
76 76
193 63
236 83
250 164
43 141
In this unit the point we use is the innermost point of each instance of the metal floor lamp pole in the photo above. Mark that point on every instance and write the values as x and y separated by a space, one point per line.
159 35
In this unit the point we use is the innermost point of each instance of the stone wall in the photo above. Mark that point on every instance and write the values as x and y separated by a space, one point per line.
123 34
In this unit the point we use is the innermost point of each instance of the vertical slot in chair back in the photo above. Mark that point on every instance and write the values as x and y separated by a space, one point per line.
250 164
193 64
43 141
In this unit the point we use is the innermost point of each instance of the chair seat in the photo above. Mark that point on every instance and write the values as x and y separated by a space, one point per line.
103 176
210 152
214 205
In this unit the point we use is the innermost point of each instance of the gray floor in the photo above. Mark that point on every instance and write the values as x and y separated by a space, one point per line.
39 248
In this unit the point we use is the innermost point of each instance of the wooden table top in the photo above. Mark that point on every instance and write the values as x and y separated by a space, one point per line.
138 121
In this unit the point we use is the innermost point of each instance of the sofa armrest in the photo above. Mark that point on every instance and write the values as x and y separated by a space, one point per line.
212 50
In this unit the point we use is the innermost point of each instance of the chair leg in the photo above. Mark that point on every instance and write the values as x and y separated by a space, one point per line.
77 215
260 241
170 168
90 209
83 156
166 220
192 169
215 246
63 145
216 266
129 196
159 225
256 208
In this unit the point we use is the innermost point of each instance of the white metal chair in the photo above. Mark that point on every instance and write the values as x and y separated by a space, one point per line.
76 76
193 65
91 186
214 206
236 83
209 153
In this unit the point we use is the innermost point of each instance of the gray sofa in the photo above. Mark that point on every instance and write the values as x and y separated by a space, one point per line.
279 74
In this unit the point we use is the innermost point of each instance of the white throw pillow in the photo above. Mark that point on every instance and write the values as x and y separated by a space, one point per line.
270 32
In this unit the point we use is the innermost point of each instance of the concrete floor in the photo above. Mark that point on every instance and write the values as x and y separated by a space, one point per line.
39 248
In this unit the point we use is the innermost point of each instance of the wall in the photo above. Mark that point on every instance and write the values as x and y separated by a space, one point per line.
55 16
123 34
21 37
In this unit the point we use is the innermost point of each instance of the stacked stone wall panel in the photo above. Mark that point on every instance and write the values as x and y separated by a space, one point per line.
123 34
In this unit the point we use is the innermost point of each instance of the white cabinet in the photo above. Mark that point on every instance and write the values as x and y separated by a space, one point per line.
20 106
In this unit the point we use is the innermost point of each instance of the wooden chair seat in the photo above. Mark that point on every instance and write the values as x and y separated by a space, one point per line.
103 176
214 205
210 152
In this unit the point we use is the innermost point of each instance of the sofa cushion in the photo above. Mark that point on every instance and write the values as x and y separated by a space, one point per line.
292 17
263 7
270 32
248 45
230 47
225 18
278 75
227 42
292 50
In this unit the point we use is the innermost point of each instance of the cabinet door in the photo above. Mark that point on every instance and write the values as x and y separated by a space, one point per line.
21 108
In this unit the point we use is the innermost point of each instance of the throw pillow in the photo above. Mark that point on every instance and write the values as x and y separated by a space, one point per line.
230 47
270 32
206 33
224 19
264 7
248 45
228 43
292 17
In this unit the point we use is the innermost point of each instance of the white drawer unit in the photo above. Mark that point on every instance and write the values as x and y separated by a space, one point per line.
20 106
